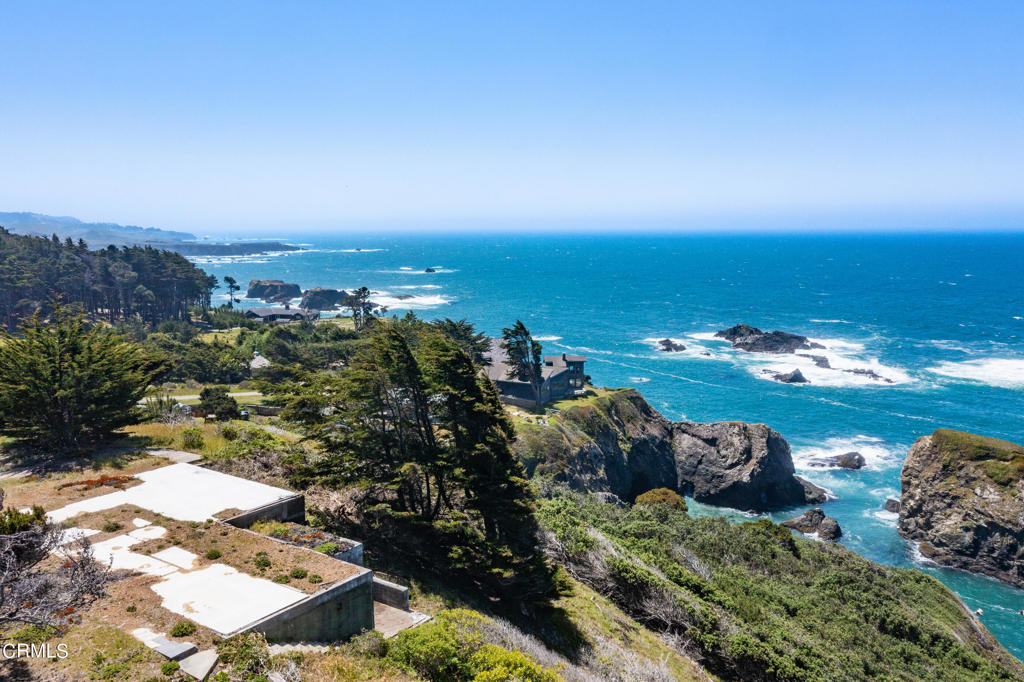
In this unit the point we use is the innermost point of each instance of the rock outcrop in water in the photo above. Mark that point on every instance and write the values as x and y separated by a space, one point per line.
618 443
847 460
670 346
815 521
753 340
272 290
963 502
794 377
319 298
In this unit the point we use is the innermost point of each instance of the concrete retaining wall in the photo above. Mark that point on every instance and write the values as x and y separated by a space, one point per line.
287 509
353 555
331 615
390 593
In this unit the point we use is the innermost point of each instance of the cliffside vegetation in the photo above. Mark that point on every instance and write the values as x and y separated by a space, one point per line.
749 601
1001 460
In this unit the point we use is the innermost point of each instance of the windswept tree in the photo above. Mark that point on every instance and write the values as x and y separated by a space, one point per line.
524 357
414 425
65 385
33 590
233 286
473 343
364 311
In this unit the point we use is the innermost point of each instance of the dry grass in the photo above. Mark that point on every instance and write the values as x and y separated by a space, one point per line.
169 436
338 666
46 491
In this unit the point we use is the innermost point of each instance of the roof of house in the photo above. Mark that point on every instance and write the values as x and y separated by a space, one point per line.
286 312
498 369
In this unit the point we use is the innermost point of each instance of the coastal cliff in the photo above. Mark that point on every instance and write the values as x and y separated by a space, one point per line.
963 501
615 442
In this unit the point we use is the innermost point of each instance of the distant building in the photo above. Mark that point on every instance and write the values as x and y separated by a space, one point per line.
281 314
562 375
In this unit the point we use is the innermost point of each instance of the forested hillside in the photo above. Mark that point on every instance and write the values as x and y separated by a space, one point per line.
111 284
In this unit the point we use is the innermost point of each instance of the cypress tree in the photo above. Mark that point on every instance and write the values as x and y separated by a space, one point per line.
65 385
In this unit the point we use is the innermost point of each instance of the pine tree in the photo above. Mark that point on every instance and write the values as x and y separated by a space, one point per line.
65 385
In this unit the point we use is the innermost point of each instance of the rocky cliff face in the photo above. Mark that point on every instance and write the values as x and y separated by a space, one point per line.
272 290
319 298
963 501
617 443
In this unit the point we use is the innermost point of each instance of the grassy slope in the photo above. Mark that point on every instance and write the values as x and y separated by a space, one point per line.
1002 461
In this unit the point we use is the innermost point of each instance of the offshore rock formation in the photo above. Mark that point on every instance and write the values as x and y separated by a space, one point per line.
963 501
847 460
753 340
670 346
319 298
272 290
617 443
815 521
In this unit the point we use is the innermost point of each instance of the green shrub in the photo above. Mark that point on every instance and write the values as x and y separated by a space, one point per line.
169 667
183 628
368 644
662 496
315 579
298 573
112 527
431 651
327 548
261 561
281 578
229 432
131 608
192 438
214 554
495 664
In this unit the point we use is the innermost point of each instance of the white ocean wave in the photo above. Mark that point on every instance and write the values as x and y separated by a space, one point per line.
882 516
639 380
918 558
412 303
999 372
406 270
547 338
419 286
830 321
877 453
848 363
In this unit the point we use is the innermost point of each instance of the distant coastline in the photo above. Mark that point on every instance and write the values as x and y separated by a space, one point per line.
100 235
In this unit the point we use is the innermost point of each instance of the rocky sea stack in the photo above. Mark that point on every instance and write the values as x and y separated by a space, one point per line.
752 339
617 443
319 298
963 501
272 290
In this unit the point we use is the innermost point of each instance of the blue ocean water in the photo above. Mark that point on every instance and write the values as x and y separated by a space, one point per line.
940 316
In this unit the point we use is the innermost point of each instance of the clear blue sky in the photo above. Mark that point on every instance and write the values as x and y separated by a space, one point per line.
302 115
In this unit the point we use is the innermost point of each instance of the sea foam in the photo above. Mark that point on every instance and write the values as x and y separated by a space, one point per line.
999 372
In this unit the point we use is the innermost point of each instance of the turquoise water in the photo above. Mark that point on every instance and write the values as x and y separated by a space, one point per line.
940 316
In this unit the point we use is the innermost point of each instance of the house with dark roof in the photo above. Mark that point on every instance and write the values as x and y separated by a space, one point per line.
281 314
562 376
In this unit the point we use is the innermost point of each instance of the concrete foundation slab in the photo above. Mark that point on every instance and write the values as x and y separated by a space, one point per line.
177 556
117 553
176 650
222 599
184 492
389 621
201 664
